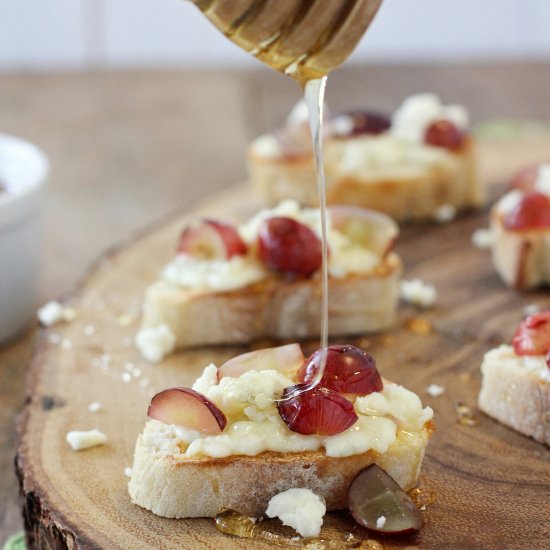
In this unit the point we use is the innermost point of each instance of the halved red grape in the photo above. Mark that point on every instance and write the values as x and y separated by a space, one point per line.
443 133
359 122
282 359
532 337
348 369
187 408
288 246
211 239
377 502
524 179
315 411
531 212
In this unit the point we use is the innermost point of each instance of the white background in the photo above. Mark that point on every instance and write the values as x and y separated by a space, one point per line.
83 34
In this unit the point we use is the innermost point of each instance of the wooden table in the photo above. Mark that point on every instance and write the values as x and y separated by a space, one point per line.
129 148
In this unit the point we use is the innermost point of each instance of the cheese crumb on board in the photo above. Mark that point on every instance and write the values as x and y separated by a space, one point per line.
418 293
482 239
54 312
128 472
434 390
445 213
155 343
81 440
300 509
94 407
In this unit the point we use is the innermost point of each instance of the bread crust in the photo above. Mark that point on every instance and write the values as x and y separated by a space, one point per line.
276 308
413 194
517 398
521 258
178 487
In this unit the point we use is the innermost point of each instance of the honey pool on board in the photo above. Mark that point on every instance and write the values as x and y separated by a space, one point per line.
305 39
231 522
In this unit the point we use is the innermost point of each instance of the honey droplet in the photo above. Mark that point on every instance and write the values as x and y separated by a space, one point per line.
364 343
371 544
387 340
418 325
422 497
465 415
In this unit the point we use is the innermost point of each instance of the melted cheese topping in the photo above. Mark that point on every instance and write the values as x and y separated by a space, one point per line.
254 425
223 275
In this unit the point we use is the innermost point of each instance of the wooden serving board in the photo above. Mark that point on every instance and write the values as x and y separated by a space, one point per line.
492 485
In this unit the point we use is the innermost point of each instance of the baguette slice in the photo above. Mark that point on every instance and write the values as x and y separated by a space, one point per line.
515 393
173 486
275 308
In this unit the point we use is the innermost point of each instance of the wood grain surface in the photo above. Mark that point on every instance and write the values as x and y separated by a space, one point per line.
128 148
489 482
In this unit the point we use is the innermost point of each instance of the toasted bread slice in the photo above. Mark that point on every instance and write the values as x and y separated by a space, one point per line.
521 258
412 189
516 391
275 308
174 486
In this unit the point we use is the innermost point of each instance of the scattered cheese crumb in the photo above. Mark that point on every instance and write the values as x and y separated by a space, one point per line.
55 338
94 407
531 309
126 376
53 313
300 509
418 293
66 344
380 522
445 213
128 472
482 239
89 330
155 343
434 390
423 507
85 440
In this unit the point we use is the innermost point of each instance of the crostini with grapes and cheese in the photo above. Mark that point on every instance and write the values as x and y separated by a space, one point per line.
515 388
236 284
417 164
520 230
256 426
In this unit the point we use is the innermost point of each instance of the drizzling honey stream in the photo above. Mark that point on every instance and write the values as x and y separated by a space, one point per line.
305 39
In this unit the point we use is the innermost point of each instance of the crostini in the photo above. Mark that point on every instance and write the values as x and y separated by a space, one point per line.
520 230
515 388
233 285
253 428
418 164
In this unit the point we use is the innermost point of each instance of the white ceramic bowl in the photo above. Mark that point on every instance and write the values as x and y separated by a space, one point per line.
23 171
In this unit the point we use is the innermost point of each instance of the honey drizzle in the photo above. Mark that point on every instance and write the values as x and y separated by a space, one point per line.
315 98
231 522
